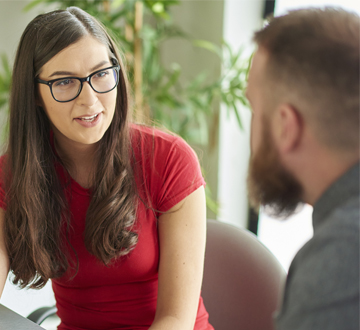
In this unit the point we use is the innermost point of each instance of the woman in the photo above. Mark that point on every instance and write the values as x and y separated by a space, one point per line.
112 212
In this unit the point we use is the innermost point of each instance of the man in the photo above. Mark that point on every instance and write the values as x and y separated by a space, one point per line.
304 92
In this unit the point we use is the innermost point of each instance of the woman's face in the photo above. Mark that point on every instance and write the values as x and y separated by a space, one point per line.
84 120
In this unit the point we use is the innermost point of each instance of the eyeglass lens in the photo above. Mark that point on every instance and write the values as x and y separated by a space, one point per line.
101 82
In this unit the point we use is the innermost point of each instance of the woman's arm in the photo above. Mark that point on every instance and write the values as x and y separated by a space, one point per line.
4 259
182 234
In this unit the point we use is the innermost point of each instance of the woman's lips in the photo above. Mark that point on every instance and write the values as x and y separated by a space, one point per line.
89 121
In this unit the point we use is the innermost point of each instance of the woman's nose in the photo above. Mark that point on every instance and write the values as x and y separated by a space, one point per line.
87 95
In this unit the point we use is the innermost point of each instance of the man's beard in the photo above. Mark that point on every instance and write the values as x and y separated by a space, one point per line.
269 183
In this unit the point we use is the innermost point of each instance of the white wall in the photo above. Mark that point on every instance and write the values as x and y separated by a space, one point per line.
241 19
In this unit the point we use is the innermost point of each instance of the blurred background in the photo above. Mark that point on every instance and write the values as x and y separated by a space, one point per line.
187 63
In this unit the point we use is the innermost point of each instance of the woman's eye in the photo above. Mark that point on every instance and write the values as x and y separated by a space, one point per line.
101 74
64 82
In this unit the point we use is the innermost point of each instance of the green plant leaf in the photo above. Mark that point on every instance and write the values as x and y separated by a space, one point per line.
249 65
158 7
208 46
211 203
116 3
237 115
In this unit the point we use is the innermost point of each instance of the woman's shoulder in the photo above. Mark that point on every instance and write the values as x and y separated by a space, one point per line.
150 133
166 165
159 147
146 138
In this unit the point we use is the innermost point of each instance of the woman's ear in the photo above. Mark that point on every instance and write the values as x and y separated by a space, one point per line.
288 127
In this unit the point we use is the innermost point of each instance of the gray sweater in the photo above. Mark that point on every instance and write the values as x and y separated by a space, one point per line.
322 288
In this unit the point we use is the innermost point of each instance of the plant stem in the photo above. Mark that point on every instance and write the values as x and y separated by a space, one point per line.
140 116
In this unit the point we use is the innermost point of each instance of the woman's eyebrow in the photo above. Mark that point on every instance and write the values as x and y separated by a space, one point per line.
69 73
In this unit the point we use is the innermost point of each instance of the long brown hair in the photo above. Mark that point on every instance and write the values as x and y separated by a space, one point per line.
36 207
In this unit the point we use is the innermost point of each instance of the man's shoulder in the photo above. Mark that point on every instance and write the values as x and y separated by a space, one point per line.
345 219
331 253
323 279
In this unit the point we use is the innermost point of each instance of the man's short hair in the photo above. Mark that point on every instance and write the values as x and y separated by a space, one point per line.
313 62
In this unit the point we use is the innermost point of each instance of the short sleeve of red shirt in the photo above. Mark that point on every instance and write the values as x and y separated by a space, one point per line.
169 166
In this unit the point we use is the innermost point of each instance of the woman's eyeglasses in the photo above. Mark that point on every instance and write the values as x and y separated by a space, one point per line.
68 88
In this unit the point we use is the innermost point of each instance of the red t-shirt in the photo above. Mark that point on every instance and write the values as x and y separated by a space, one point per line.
123 295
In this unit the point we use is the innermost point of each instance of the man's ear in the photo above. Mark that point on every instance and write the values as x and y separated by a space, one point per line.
287 127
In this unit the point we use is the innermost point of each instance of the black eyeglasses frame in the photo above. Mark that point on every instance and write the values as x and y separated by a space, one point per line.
82 80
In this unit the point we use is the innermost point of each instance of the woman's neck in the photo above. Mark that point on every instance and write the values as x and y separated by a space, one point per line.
79 159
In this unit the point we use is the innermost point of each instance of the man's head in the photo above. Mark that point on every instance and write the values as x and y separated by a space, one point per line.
304 78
